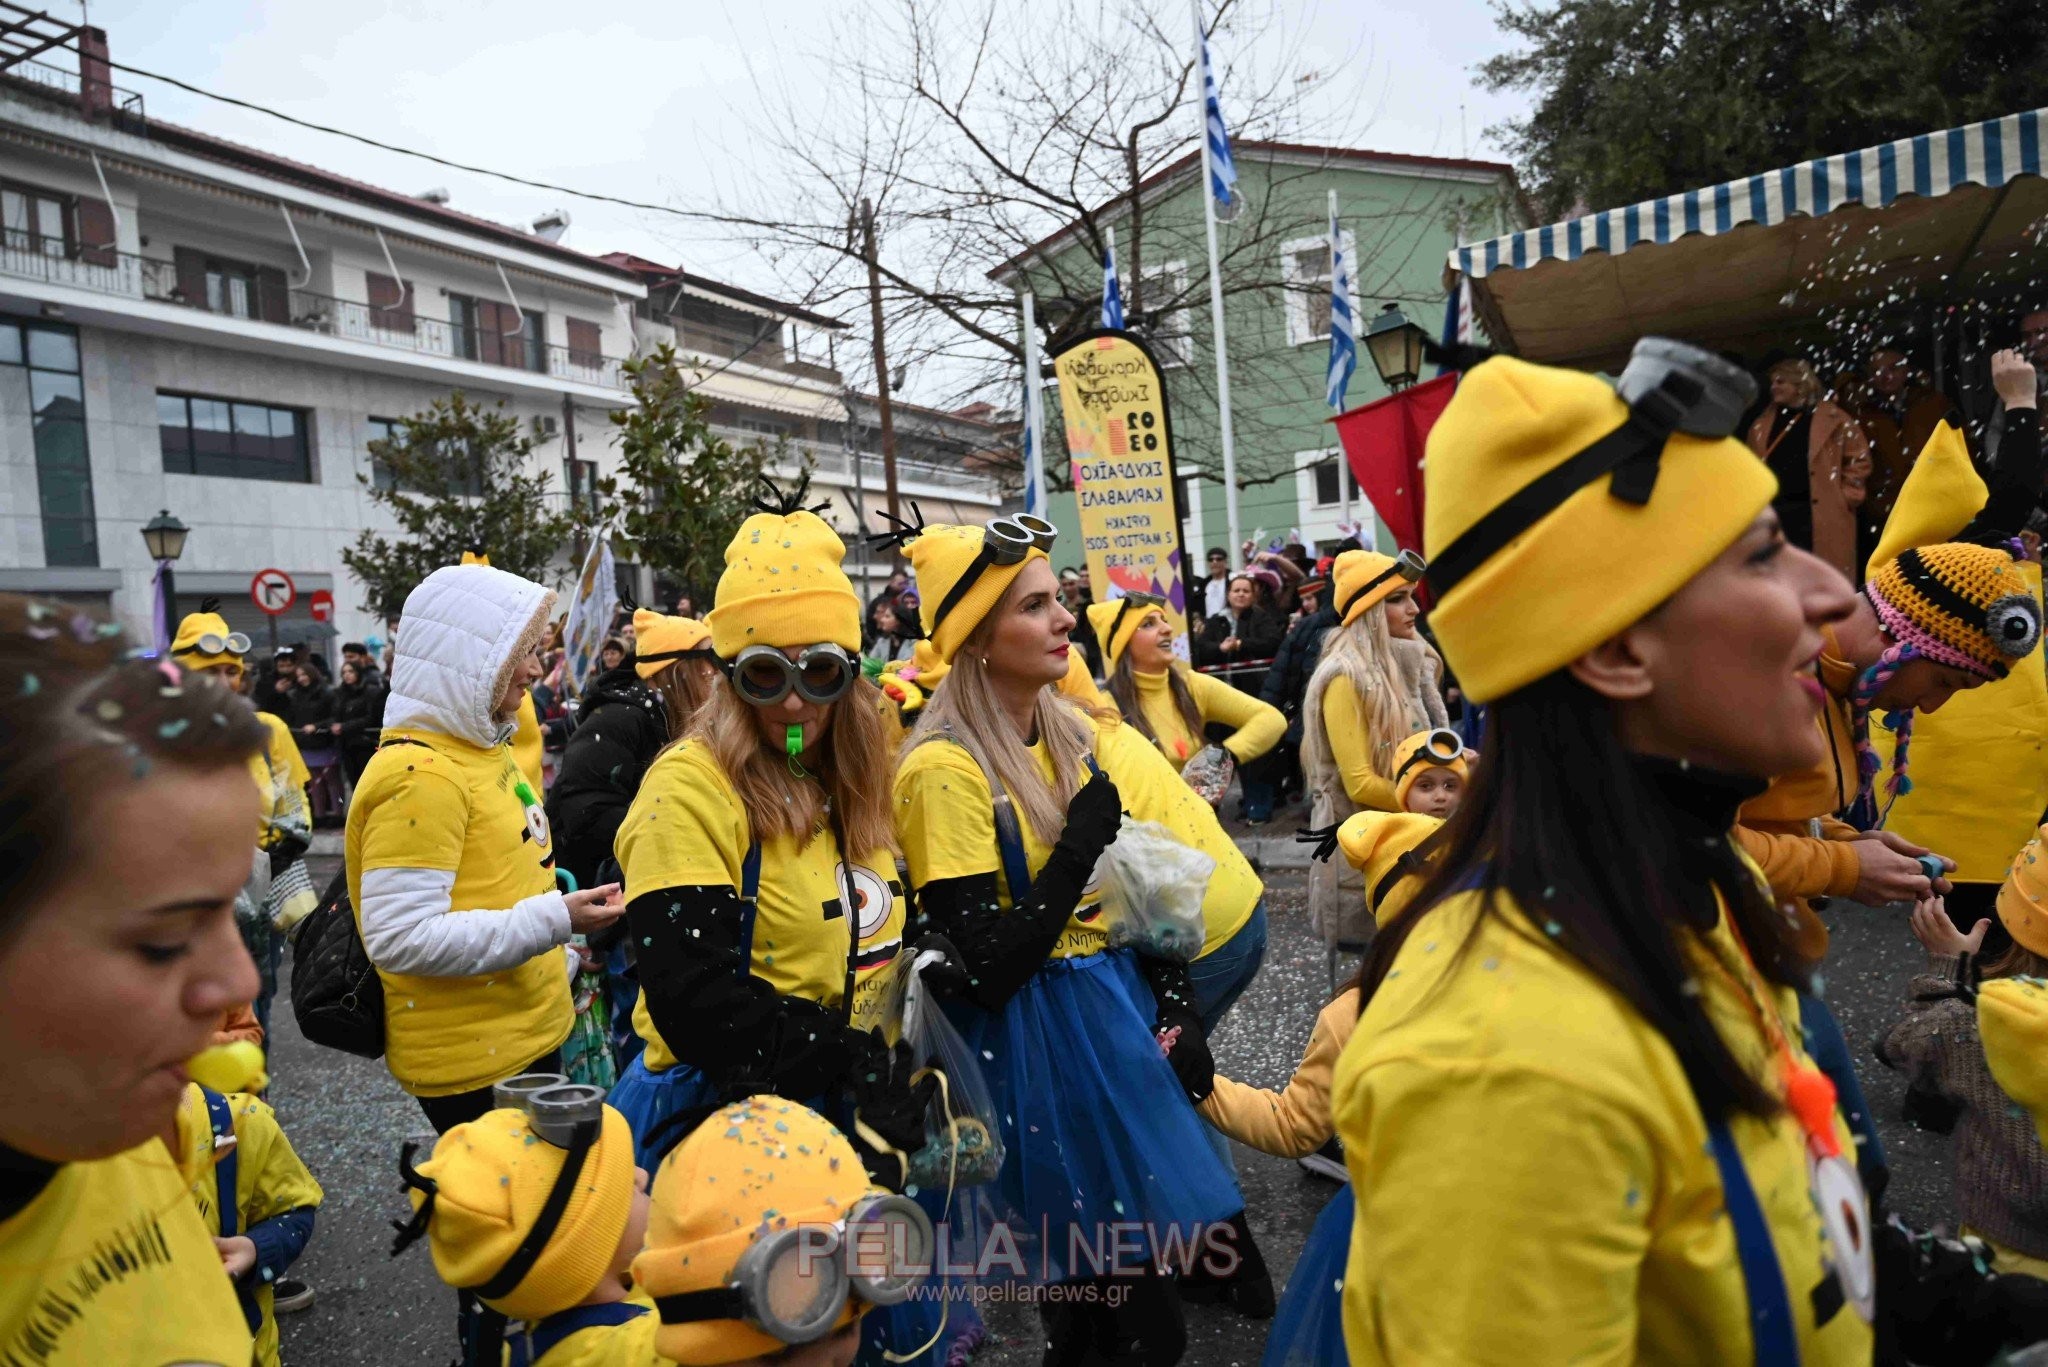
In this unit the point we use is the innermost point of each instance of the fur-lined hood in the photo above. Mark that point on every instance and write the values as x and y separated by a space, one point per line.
463 628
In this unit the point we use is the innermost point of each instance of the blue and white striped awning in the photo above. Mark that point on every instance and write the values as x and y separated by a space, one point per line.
1988 154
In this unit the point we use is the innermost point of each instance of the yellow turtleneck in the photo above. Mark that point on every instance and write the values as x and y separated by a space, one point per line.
1256 726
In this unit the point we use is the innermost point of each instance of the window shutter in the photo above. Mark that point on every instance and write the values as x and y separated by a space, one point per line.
390 303
191 271
586 343
96 233
273 303
491 341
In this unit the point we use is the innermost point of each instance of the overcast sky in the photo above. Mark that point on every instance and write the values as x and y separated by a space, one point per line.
658 102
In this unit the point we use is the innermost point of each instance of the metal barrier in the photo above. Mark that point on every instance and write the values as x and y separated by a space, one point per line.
1241 667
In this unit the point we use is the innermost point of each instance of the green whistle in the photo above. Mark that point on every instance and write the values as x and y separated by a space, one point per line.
524 793
793 741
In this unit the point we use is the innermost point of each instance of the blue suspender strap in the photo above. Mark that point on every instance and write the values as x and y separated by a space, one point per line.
1770 1311
223 1122
1010 844
543 1337
750 892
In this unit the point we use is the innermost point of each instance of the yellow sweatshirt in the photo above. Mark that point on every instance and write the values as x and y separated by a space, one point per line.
1257 725
1351 747
1296 1119
1533 1171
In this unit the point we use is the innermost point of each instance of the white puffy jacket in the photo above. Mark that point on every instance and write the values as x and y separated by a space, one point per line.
463 628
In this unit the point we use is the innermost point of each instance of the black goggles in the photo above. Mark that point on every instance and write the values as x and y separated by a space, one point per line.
1669 387
1004 541
1443 748
1141 602
568 1115
819 674
793 1284
1407 564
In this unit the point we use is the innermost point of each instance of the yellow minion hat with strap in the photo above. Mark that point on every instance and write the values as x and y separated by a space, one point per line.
490 1179
1375 843
207 625
755 1167
659 640
963 572
2012 1021
2023 897
1115 623
783 585
1364 578
1560 509
1441 748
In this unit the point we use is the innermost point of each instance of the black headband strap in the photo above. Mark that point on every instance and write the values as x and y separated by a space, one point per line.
1422 755
712 1303
1632 452
982 560
528 1253
1367 587
693 653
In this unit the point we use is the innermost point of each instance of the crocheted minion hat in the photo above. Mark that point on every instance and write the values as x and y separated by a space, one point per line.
783 585
660 640
2023 897
1115 623
2012 1021
1375 842
941 556
1364 578
206 622
1412 757
1958 604
1588 554
491 1178
757 1165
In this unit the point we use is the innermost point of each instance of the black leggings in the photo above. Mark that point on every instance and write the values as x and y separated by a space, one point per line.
1135 1318
444 1113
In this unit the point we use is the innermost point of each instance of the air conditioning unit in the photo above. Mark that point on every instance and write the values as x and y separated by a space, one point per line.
547 426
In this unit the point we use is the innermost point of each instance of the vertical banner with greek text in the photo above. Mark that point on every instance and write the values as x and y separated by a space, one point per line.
1121 446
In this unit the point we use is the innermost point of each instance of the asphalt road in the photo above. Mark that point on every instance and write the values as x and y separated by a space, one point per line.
347 1119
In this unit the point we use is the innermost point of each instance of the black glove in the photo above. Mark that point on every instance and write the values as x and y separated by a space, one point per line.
888 1103
947 978
1188 1051
1092 820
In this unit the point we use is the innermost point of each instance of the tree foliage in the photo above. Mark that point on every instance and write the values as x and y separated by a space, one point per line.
1636 99
686 488
459 479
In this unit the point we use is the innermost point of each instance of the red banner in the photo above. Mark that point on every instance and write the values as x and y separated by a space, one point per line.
1383 443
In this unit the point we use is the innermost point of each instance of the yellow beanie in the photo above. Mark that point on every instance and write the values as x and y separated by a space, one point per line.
783 587
2012 1021
758 1165
1352 571
1594 565
1406 773
1374 843
657 637
185 646
2023 897
939 557
493 1175
1114 638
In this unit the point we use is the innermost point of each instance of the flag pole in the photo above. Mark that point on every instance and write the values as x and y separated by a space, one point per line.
1035 497
1216 312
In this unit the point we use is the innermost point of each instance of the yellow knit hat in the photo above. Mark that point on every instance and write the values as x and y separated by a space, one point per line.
2012 1021
2023 897
1353 571
940 556
1960 604
783 587
1374 843
493 1175
1408 768
758 1165
185 646
1594 564
1115 637
659 640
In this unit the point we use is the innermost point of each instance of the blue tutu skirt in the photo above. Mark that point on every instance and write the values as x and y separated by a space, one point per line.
1308 1329
649 1100
1106 1163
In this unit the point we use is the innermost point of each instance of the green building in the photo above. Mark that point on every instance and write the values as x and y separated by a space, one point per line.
1400 216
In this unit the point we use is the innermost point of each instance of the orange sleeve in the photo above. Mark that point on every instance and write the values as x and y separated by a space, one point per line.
1802 865
239 1024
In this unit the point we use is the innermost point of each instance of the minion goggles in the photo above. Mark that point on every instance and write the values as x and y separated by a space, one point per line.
1004 541
213 643
1144 602
1443 748
1407 564
819 674
793 1284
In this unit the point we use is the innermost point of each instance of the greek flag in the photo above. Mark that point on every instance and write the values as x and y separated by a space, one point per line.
1112 293
1222 170
1343 328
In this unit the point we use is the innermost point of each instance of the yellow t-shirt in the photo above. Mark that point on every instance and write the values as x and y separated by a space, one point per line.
110 1263
610 1345
688 828
269 1180
1532 1167
430 801
945 818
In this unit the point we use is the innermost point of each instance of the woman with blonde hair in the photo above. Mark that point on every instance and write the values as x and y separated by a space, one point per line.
1821 457
1375 686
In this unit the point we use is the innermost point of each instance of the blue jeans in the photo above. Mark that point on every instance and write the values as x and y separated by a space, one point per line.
1219 979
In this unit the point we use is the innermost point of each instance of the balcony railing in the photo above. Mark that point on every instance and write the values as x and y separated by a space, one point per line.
261 300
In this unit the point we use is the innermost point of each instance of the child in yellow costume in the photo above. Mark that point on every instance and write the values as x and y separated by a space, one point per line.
254 1194
480 1200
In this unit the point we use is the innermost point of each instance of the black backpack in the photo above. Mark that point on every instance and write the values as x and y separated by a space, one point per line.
336 993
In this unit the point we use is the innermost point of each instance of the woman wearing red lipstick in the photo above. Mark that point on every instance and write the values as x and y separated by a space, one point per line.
126 830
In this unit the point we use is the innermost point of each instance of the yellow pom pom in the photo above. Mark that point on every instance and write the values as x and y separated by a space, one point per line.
236 1067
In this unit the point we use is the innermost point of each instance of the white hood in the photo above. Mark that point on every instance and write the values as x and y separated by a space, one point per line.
461 627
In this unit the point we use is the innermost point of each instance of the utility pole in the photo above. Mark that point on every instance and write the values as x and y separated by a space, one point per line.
883 402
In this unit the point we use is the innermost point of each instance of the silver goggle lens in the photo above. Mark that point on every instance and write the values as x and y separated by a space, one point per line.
1444 746
555 1112
511 1094
794 1284
888 1249
1007 541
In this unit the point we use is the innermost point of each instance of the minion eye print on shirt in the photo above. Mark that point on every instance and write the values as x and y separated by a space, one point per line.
874 898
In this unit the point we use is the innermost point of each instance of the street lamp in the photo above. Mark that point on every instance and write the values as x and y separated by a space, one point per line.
165 537
1396 348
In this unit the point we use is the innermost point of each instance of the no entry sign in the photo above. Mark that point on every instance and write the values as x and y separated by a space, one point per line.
321 604
273 591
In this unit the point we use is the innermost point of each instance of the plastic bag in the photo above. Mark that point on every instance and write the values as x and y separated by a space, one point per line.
1152 889
963 1144
1209 772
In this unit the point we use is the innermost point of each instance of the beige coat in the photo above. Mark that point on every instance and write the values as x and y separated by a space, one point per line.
1837 471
